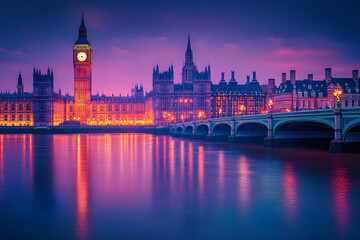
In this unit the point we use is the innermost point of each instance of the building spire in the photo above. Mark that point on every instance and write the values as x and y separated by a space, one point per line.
188 53
20 86
82 28
82 38
188 44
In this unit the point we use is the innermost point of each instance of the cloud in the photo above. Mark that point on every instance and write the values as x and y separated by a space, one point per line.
121 51
302 52
232 46
275 40
19 53
4 50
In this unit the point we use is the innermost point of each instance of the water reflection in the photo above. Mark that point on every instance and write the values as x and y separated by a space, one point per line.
1 166
190 165
221 174
43 172
341 188
201 171
244 182
102 186
290 195
82 185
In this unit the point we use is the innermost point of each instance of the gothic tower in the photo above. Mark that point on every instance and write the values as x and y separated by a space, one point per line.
20 86
43 89
189 70
83 60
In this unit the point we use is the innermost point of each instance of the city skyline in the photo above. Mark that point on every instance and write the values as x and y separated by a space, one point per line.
126 51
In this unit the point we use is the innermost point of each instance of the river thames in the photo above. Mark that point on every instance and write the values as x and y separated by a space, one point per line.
142 186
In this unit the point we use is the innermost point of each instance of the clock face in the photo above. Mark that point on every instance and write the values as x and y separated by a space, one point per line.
81 56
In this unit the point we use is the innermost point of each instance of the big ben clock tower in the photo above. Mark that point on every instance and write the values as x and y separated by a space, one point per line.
83 60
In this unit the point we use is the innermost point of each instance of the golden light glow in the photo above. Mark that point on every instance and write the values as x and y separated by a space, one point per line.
167 116
201 115
271 103
337 93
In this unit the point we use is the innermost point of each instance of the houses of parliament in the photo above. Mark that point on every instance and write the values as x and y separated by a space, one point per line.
196 97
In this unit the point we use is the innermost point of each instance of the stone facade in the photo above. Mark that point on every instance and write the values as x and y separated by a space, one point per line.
308 94
233 99
16 109
186 101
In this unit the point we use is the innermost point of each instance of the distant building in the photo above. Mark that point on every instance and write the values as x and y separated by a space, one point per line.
44 107
48 107
16 109
168 102
197 98
186 101
100 109
307 94
233 99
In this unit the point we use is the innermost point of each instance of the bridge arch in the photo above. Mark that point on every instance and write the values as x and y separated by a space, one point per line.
202 130
221 129
304 129
251 129
352 132
189 130
179 130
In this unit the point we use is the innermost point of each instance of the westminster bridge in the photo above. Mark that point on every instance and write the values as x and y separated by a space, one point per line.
339 128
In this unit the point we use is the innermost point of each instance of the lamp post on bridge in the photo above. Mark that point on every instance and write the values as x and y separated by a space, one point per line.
242 109
337 93
337 145
270 104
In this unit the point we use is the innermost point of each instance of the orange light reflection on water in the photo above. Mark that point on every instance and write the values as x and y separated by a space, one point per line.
201 170
82 186
190 165
290 195
244 181
221 174
341 186
1 163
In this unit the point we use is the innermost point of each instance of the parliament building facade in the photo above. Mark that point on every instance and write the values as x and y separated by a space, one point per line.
194 98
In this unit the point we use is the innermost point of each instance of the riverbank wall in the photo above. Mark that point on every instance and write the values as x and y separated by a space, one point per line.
85 129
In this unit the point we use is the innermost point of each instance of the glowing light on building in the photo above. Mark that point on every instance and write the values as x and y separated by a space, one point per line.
337 93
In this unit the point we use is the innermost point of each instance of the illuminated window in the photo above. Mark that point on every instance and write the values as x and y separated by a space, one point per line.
5 117
20 117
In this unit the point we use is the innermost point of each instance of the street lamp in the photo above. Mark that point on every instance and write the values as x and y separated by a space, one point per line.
271 103
337 93
242 108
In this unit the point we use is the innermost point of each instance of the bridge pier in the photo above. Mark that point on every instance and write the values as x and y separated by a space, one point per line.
269 141
337 145
232 137
209 135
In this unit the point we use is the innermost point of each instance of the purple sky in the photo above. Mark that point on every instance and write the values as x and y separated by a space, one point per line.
130 37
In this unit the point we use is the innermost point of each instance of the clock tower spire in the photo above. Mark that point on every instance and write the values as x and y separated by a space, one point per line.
83 60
